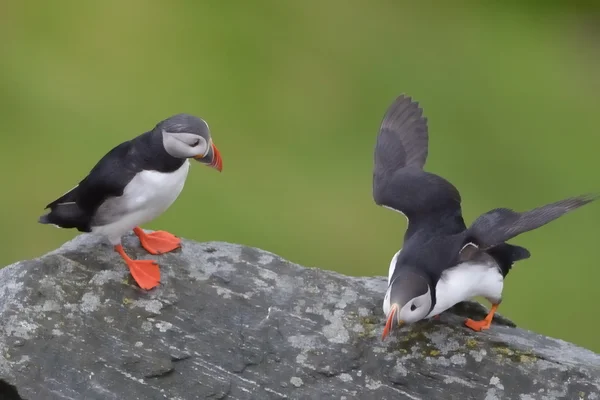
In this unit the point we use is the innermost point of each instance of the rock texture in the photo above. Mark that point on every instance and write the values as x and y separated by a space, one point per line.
233 322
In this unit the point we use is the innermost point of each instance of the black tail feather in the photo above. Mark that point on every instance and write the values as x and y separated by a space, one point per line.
507 254
45 219
67 216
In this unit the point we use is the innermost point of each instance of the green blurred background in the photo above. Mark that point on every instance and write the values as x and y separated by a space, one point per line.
294 93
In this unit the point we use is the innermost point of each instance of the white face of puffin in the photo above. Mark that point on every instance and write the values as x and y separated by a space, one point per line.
413 310
185 145
189 137
416 309
407 300
190 145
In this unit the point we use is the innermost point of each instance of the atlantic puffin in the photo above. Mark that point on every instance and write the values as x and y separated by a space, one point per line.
134 183
442 262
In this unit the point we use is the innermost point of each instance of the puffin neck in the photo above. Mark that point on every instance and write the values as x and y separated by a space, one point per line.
153 155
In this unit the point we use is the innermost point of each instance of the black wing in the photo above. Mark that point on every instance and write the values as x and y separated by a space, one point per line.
502 224
399 181
403 138
108 178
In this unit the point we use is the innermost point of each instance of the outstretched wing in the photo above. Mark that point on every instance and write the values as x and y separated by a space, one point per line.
502 224
399 181
403 138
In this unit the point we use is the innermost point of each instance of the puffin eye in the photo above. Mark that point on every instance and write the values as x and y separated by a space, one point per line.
413 307
195 143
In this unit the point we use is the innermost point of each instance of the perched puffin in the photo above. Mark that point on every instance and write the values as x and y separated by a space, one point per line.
442 262
134 183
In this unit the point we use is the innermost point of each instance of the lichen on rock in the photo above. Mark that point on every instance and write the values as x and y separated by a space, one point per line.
230 321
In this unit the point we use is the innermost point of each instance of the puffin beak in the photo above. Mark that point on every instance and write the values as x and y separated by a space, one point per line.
217 161
212 158
390 321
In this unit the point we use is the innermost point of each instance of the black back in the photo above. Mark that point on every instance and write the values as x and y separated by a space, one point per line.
108 178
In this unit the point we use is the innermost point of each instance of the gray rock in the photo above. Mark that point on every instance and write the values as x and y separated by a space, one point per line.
235 322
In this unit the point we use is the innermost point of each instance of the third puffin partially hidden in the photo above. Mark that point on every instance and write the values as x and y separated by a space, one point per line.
443 262
134 183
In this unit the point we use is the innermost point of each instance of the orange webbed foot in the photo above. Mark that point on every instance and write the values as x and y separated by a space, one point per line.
146 273
158 242
479 326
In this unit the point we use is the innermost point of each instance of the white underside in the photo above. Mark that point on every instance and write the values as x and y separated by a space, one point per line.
149 194
466 281
457 284
386 299
386 302
393 266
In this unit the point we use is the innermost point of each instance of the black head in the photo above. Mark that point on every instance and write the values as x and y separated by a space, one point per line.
408 299
187 136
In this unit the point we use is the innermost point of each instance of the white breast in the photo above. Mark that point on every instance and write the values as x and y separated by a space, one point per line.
386 299
393 266
466 281
386 302
149 194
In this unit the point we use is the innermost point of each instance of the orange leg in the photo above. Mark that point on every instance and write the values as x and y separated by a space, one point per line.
478 326
436 316
157 242
145 272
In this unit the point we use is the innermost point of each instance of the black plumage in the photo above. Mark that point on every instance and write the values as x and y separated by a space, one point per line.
501 224
436 231
109 177
437 239
134 183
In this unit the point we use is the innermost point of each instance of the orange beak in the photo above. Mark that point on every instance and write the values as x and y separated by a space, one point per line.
212 158
217 161
390 321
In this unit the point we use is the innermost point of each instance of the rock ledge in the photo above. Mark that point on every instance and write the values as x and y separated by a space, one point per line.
234 322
